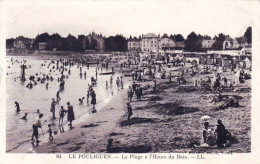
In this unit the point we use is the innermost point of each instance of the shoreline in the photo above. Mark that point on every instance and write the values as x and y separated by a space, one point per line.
96 128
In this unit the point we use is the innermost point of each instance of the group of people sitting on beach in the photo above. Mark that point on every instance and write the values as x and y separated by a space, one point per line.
219 136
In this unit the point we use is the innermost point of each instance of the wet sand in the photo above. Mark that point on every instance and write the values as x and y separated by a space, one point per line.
92 135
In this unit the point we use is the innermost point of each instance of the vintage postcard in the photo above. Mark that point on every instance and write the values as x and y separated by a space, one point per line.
129 81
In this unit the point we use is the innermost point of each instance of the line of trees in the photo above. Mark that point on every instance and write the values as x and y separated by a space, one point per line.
192 43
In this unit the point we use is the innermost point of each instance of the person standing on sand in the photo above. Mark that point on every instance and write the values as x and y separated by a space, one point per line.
129 112
17 106
62 114
58 95
87 96
96 74
71 116
36 124
106 84
93 101
122 84
130 94
117 82
53 103
111 81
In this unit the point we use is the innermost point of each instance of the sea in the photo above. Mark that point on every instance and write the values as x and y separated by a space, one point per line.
19 131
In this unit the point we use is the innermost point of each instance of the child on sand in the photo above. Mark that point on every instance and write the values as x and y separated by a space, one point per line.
81 100
129 112
53 103
62 114
106 84
17 106
24 117
58 95
50 132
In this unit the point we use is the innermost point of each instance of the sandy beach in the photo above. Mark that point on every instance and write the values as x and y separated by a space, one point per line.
167 120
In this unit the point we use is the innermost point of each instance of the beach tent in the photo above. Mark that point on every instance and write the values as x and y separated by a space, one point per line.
236 77
218 61
202 60
226 62
209 61
247 63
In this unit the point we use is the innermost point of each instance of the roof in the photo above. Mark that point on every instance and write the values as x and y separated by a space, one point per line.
230 39
23 39
179 44
150 35
134 40
206 41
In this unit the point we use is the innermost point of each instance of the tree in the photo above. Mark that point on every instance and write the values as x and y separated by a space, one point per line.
177 38
248 35
116 43
54 41
10 43
40 38
80 42
218 45
191 42
165 35
199 42
207 37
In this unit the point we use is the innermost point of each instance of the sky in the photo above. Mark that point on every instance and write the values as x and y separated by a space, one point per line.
29 18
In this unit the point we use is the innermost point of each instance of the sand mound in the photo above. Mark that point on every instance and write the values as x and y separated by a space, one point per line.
175 109
88 126
166 85
187 89
155 98
138 120
115 134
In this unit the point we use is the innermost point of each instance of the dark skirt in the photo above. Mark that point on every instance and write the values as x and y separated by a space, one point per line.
35 131
93 101
71 115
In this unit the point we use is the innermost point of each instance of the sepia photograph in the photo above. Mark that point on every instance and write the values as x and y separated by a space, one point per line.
136 77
